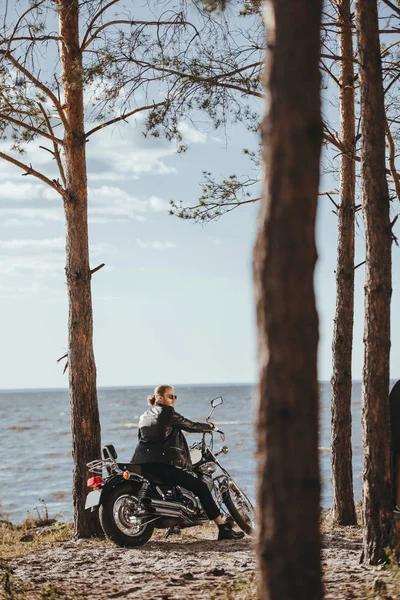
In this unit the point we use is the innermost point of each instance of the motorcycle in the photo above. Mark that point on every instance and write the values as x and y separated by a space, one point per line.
132 504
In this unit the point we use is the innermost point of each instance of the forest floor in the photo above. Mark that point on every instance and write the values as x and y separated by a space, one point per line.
43 563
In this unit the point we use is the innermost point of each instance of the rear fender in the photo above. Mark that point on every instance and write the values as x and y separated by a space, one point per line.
118 480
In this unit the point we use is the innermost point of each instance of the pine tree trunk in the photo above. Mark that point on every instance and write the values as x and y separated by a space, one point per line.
85 421
343 510
287 322
377 488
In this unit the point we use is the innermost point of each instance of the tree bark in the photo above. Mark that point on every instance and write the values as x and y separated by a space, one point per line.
343 510
287 322
377 487
85 421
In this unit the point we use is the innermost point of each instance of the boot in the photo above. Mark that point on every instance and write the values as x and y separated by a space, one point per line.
225 532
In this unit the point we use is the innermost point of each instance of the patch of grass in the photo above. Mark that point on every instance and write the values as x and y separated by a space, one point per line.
11 535
35 532
42 519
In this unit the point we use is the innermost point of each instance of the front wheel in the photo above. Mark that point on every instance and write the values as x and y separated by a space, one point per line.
119 521
239 507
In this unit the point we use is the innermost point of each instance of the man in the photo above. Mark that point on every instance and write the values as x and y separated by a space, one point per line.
394 406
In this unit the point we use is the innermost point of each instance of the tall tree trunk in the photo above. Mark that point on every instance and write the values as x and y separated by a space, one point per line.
287 322
341 457
85 421
377 492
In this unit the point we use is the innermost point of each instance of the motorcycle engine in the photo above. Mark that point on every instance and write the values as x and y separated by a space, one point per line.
189 499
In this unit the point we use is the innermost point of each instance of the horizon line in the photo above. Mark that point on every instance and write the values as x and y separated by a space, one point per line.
151 386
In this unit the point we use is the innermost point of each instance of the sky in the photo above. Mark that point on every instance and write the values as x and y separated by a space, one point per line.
174 302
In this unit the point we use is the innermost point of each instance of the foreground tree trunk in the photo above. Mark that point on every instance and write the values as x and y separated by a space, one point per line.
287 322
343 510
377 489
85 421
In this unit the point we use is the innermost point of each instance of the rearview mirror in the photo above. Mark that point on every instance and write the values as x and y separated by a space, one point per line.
217 401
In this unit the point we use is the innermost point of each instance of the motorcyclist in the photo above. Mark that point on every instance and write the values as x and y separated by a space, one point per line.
163 450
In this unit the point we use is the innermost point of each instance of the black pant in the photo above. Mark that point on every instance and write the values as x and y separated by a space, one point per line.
179 477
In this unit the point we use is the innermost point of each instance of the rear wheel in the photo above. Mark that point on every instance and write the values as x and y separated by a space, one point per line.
119 521
240 508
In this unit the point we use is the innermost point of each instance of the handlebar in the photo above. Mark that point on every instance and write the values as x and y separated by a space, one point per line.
222 434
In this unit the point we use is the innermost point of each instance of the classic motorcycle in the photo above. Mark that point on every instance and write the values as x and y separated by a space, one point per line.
132 504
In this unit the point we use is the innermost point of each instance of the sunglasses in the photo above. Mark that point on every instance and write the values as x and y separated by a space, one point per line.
172 397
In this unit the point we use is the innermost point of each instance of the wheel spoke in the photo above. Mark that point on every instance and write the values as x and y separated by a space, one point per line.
124 515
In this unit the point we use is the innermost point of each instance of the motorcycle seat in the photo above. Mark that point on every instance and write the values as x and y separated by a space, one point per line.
140 470
154 478
130 467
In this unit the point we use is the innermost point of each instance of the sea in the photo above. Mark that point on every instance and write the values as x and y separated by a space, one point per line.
36 462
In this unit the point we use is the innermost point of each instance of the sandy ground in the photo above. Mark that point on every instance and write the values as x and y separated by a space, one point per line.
190 566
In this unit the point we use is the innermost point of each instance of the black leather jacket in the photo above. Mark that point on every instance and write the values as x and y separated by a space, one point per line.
161 439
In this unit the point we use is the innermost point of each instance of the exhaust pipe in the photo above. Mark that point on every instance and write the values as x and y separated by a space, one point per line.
167 509
164 512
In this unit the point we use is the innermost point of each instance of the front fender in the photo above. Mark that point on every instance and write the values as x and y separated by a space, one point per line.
118 480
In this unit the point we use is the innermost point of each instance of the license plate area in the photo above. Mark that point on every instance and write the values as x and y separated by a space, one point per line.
93 499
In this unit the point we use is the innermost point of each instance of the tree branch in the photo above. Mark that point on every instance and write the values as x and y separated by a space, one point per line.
11 38
325 68
38 84
124 117
49 136
385 91
97 268
336 57
196 78
360 264
30 171
55 145
124 22
392 6
207 211
332 200
93 21
41 38
392 164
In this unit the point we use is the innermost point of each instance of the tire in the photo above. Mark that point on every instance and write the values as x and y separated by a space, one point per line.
116 518
240 508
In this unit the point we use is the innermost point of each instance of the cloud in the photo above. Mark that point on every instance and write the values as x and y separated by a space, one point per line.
55 243
113 154
24 191
37 214
34 289
120 157
18 222
114 161
191 134
156 245
113 202
39 265
41 258
105 204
